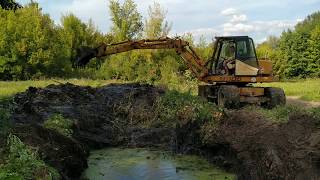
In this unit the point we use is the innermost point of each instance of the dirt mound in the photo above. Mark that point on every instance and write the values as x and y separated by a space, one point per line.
272 151
100 115
112 115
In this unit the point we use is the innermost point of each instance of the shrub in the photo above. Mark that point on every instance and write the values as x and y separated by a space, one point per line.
23 163
59 123
175 107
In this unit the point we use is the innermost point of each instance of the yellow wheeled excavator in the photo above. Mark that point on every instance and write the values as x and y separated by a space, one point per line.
227 77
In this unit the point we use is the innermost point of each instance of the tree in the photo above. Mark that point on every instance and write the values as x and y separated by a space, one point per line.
267 48
314 52
76 34
9 5
155 25
27 49
204 49
126 20
296 52
73 34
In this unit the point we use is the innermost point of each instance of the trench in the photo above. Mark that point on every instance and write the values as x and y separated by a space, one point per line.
129 115
142 163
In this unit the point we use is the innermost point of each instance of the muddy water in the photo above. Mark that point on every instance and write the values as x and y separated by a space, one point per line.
139 164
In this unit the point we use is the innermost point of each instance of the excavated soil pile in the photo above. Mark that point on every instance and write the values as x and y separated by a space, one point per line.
113 115
271 151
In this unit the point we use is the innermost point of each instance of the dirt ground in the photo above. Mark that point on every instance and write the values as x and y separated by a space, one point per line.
294 100
244 142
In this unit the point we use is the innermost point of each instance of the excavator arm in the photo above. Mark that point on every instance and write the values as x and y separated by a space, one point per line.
193 61
227 90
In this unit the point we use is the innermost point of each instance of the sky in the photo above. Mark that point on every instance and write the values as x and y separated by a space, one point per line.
208 18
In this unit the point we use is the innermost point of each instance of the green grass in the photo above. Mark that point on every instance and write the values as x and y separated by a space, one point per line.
10 88
22 162
308 89
60 124
280 114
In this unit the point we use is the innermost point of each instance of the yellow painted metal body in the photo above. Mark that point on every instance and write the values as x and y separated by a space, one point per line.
265 67
240 79
251 91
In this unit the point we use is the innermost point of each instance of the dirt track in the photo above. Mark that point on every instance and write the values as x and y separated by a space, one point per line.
294 100
114 115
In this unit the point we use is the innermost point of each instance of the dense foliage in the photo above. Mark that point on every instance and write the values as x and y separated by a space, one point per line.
9 4
297 52
41 49
32 46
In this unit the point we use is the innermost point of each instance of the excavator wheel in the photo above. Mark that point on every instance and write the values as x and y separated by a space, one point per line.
206 92
276 97
228 96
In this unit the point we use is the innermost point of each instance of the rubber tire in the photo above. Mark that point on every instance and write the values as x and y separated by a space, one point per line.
203 91
228 97
276 97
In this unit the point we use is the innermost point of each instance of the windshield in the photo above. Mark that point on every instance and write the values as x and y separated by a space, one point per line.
227 50
245 50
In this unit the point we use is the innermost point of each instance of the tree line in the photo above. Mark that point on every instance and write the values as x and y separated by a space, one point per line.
32 46
296 53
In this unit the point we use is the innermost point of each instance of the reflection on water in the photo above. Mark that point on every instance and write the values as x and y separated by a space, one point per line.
140 164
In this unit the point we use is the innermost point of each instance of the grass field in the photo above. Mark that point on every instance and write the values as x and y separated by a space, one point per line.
308 89
10 88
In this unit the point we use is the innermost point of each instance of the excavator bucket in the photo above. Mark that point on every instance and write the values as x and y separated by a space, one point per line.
84 55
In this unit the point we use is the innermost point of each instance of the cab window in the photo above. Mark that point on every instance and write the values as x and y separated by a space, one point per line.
225 51
245 50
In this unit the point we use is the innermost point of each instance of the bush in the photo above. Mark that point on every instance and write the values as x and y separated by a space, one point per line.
59 123
23 163
175 107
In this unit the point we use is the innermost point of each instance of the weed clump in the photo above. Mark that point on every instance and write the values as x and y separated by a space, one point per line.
58 123
281 114
23 163
4 121
175 107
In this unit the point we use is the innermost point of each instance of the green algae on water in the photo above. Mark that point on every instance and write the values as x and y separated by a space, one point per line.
140 164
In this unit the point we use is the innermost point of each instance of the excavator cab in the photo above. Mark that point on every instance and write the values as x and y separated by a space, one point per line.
235 55
233 68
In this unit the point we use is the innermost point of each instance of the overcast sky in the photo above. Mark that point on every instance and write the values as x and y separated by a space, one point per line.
209 18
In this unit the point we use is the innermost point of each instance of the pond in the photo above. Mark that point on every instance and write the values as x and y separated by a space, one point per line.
145 164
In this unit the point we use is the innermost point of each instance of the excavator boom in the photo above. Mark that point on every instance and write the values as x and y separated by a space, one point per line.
227 84
194 62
